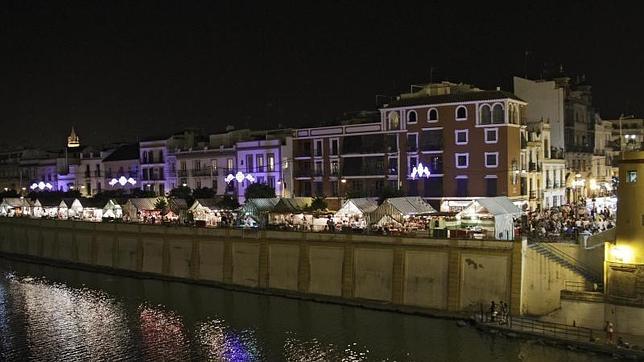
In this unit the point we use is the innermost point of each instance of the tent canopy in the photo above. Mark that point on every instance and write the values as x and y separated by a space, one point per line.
146 203
500 205
359 206
399 207
14 202
293 205
211 204
256 206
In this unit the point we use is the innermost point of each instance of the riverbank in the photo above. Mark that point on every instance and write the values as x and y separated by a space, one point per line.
460 319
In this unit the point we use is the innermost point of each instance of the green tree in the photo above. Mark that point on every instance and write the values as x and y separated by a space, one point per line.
259 191
182 192
203 193
318 203
228 203
161 204
137 193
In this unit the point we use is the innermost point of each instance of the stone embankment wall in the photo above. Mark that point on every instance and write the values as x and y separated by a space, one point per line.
445 275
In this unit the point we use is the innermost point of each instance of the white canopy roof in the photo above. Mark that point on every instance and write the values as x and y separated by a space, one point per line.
500 205
360 206
398 207
146 203
14 202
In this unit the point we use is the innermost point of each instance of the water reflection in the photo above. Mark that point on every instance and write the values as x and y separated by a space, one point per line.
51 313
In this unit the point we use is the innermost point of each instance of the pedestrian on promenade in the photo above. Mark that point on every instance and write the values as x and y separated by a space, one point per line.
610 331
493 311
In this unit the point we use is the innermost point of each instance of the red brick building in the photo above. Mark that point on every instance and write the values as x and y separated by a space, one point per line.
468 139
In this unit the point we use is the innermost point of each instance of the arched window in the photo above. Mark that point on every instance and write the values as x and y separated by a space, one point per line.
394 120
432 115
412 117
486 114
461 113
497 114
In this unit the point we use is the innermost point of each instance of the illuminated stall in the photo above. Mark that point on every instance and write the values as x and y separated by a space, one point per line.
490 217
255 211
15 207
112 210
411 212
46 208
356 211
141 210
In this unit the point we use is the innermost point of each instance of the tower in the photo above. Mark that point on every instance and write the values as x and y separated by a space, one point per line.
73 141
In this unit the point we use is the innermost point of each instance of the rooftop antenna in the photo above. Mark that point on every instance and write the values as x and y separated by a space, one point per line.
525 63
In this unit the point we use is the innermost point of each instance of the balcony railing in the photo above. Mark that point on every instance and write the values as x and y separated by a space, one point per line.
364 171
153 178
202 172
182 173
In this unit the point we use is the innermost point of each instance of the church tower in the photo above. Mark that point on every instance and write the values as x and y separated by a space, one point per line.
73 141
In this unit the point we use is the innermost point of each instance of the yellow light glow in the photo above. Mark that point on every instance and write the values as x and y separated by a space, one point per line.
593 184
622 254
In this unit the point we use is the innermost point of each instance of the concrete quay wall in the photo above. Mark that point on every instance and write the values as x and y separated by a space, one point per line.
439 275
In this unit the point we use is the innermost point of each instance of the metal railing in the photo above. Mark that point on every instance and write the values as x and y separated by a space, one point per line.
575 286
551 329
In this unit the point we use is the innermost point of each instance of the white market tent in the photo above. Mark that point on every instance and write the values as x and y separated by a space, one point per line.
112 210
46 208
500 208
136 208
206 210
258 209
399 208
359 207
15 205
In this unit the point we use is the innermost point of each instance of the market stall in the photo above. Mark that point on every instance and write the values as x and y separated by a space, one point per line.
92 209
46 208
15 207
74 208
354 212
112 210
490 217
412 212
142 210
255 211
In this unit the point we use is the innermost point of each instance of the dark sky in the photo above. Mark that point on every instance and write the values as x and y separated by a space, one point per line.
118 69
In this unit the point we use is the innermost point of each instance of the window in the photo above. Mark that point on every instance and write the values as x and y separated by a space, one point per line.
461 113
196 165
249 163
486 114
394 120
431 140
317 168
317 148
334 147
491 135
461 187
497 114
393 165
260 163
271 181
271 162
461 136
462 160
334 188
230 164
491 159
433 187
413 161
335 167
412 142
490 186
631 176
412 117
432 115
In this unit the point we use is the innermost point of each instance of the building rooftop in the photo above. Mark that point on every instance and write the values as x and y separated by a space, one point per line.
452 98
125 152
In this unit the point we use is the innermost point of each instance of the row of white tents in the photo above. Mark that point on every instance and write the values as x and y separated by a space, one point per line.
496 214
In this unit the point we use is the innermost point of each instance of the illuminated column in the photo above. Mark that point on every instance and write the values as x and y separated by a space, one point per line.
625 258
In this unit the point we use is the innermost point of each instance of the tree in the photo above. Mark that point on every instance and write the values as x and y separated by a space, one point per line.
388 192
318 203
182 192
259 191
137 193
228 203
203 193
161 204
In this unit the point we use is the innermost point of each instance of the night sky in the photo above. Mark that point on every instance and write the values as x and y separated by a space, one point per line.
121 69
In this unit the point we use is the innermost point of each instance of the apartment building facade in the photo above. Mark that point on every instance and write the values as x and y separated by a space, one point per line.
423 145
121 168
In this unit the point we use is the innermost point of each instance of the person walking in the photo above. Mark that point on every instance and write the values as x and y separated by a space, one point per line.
610 331
493 311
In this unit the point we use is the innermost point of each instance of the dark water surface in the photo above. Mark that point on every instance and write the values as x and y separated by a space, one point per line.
51 313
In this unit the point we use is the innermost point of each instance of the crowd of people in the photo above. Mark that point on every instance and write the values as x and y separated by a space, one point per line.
570 221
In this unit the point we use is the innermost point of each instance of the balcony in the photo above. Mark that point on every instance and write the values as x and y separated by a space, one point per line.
201 172
182 173
305 172
364 171
153 177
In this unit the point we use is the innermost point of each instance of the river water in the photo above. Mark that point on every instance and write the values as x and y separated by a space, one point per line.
52 313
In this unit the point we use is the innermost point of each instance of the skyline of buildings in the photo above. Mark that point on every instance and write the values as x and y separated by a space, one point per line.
542 146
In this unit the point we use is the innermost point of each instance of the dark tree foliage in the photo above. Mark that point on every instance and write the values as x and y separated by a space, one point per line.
388 192
228 203
318 203
137 193
259 191
203 193
181 193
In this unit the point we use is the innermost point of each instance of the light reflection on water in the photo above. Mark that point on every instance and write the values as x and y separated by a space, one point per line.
49 313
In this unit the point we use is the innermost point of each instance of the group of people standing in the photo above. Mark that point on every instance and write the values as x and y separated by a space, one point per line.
499 312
